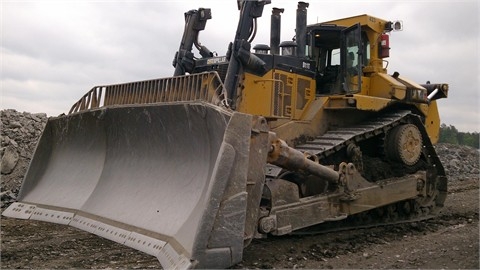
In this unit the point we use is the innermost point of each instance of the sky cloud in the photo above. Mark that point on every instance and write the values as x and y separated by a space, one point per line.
52 52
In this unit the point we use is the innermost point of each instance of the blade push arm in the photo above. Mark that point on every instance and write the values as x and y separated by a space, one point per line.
195 21
239 51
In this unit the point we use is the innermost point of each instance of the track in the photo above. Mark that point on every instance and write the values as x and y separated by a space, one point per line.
449 240
333 141
337 142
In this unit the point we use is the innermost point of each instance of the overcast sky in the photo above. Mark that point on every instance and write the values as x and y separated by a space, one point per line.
53 52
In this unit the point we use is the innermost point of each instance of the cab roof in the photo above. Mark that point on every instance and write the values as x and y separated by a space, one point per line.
365 20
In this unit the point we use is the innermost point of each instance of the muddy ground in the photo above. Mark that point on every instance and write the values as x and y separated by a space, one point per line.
448 241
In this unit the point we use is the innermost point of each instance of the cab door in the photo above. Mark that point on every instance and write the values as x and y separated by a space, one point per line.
351 58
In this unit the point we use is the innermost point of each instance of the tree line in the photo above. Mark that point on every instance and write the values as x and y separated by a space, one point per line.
449 134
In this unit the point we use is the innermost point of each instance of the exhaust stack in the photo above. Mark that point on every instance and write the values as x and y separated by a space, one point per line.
301 28
275 26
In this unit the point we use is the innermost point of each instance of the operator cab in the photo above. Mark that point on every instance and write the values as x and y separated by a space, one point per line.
339 54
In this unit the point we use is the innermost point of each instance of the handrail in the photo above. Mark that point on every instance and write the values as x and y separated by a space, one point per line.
205 86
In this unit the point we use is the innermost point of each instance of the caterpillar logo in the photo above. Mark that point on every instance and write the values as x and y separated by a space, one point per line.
217 60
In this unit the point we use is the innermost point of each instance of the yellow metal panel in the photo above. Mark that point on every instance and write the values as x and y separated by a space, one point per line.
409 83
277 94
432 122
337 102
305 94
287 93
384 86
421 106
315 106
257 95
360 102
374 23
365 86
372 103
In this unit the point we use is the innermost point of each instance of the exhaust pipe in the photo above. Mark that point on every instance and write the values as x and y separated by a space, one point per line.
275 26
301 28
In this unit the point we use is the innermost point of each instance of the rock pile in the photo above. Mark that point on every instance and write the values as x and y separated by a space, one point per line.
460 162
21 131
19 134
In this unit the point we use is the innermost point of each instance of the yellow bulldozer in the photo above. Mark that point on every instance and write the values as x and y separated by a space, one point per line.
264 141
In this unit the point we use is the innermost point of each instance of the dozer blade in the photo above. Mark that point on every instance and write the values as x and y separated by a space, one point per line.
168 180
